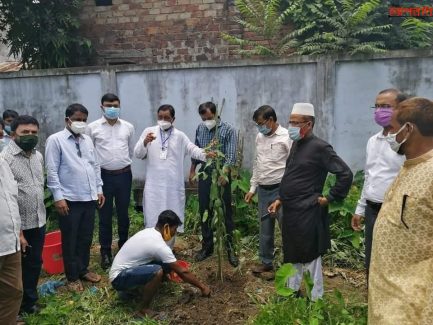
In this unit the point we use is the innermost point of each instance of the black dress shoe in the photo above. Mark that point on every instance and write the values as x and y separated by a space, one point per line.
233 260
106 261
202 255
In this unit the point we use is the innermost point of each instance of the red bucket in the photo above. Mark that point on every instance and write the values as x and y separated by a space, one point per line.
173 276
52 257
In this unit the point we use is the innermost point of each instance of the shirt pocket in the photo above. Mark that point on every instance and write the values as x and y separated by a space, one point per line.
278 152
410 210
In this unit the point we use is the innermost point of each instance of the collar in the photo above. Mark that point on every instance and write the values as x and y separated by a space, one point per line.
415 161
67 134
279 131
307 138
165 131
380 135
14 149
103 120
219 123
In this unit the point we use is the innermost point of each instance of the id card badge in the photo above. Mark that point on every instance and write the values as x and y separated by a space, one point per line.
163 154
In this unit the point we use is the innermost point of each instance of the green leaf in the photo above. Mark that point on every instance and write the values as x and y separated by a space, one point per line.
356 239
281 276
205 216
309 283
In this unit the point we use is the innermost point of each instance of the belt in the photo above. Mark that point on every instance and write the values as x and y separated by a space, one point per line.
270 187
116 172
374 205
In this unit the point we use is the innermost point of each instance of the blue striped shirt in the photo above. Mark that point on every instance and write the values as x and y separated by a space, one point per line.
72 174
226 138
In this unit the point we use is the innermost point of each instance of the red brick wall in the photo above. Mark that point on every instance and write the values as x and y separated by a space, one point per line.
153 31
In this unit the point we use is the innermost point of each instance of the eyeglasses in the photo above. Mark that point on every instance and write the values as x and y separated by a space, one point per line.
77 145
378 106
166 119
295 123
261 124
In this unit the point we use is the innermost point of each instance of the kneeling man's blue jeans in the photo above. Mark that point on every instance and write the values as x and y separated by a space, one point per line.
135 276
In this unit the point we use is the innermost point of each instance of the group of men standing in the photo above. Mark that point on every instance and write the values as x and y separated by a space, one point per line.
397 191
89 167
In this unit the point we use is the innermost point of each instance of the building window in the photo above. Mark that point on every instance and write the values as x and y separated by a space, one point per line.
103 2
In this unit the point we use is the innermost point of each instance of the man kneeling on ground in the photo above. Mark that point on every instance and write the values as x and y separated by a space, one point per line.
143 259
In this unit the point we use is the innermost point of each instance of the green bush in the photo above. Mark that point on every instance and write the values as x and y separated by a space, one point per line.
306 27
332 309
302 311
244 214
347 245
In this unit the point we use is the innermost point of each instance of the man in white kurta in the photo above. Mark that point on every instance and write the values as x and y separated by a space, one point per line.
163 149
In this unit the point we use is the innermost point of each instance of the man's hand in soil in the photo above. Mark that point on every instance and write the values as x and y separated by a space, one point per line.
205 291
188 277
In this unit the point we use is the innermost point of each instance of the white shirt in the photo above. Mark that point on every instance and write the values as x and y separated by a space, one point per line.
114 145
382 165
164 187
270 160
144 247
9 213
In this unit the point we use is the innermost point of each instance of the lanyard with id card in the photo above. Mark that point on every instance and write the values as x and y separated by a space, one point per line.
164 146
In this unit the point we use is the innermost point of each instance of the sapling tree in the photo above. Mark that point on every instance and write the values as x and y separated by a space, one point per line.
219 173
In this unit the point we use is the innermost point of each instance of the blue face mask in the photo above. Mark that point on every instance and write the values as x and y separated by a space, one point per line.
295 133
263 129
112 113
8 129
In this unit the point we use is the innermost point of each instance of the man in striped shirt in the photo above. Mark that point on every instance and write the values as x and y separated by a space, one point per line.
226 140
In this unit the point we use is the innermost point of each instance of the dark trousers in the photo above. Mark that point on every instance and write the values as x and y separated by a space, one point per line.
11 288
117 188
206 227
77 232
31 266
371 213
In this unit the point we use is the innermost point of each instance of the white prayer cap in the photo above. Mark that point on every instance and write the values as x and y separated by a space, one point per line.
303 109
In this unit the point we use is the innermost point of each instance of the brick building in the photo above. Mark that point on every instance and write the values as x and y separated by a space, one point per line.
159 31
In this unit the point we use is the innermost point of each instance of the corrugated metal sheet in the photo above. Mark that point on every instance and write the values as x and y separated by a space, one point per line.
10 66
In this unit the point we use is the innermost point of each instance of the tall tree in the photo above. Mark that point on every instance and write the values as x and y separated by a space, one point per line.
44 33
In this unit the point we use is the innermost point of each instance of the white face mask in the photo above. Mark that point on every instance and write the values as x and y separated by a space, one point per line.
78 127
391 138
210 124
164 125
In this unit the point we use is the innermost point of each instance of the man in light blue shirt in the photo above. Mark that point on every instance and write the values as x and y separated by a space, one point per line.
74 178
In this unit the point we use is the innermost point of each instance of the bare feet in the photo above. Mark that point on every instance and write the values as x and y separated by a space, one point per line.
75 286
91 277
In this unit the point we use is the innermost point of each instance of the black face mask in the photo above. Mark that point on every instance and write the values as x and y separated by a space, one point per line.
27 142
